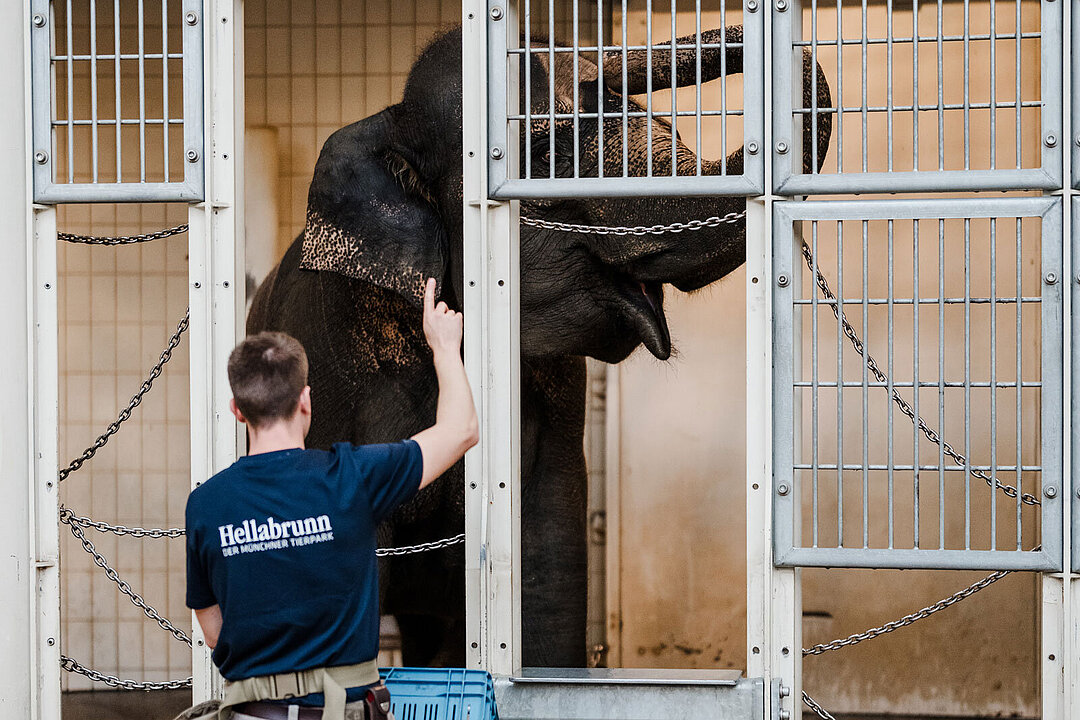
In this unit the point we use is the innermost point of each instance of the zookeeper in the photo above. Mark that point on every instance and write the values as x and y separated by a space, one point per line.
281 566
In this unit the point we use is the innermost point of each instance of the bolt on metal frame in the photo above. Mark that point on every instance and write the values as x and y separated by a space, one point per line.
129 62
556 166
1011 134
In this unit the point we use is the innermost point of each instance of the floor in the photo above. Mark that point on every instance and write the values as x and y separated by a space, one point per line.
165 705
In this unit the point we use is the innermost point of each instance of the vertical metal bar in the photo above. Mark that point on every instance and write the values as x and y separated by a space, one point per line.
813 86
577 104
839 97
193 101
941 87
891 390
967 85
815 374
889 82
116 89
674 94
648 89
915 97
1019 381
551 88
993 93
967 375
697 90
941 364
863 104
916 294
993 370
527 134
93 93
723 90
1019 102
165 87
865 382
625 100
142 96
839 382
599 87
70 99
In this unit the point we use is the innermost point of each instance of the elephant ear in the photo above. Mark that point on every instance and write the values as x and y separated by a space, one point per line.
370 216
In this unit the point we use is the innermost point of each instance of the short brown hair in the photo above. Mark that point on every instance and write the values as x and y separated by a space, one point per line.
267 372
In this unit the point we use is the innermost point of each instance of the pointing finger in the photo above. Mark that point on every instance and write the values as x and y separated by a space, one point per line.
429 296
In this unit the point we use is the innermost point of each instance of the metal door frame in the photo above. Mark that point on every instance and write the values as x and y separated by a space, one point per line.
47 189
786 493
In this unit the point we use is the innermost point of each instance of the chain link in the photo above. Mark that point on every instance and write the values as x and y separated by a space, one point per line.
68 516
905 407
422 547
714 221
121 239
908 619
125 588
818 710
74 666
135 401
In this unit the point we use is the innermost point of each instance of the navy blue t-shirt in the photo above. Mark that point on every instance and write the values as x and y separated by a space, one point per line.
284 542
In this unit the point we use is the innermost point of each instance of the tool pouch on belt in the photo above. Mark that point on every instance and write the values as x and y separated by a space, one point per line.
203 711
377 703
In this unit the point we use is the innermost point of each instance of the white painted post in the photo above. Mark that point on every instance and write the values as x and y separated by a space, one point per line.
1060 604
29 571
215 275
774 600
492 357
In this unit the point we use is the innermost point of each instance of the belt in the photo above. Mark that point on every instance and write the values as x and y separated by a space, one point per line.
330 681
271 711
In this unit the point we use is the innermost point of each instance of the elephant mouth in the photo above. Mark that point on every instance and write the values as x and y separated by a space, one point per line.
643 305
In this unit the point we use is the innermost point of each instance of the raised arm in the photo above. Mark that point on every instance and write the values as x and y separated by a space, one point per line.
456 428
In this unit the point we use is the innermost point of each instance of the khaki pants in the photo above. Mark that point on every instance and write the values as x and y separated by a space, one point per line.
209 711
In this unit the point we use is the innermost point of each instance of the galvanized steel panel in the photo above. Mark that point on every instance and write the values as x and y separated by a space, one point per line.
922 69
939 511
562 169
126 73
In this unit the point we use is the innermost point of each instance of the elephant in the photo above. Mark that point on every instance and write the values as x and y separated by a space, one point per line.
385 212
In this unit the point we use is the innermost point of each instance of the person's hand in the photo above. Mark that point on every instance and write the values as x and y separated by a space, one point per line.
442 326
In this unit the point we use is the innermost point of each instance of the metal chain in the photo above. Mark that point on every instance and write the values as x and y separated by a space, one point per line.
122 239
820 711
422 547
125 588
135 401
908 619
68 516
905 407
714 221
74 666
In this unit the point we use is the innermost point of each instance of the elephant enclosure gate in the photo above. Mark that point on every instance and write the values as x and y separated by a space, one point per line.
907 177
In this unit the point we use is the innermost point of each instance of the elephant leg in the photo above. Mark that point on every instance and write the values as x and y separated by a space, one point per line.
553 523
430 641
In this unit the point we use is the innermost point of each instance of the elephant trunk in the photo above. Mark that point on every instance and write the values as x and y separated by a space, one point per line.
715 62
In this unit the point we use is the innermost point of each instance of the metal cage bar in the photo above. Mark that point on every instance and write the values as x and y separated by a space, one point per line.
587 149
967 391
72 167
970 146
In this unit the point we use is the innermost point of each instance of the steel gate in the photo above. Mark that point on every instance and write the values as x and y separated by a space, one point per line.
947 367
144 78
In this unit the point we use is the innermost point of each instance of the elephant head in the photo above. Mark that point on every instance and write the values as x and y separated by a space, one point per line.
385 200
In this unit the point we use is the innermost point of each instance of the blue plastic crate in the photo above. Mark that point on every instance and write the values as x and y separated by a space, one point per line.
440 694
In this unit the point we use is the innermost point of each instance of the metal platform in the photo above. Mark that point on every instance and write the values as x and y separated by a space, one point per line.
628 694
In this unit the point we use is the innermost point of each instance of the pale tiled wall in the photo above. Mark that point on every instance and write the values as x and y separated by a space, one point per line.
117 309
313 66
